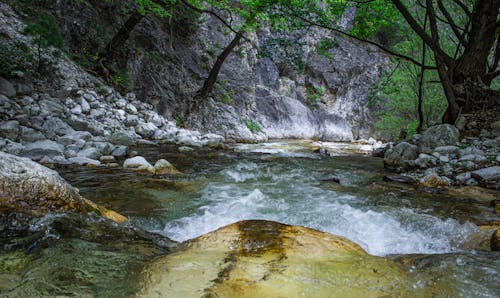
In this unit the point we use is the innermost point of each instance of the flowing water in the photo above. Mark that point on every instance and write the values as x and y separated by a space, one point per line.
286 182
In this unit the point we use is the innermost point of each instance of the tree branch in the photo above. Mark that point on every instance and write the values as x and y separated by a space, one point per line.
451 23
384 49
420 31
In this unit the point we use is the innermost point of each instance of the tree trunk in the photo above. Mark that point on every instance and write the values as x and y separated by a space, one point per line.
421 84
118 41
214 73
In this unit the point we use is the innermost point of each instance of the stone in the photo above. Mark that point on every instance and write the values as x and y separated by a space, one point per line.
51 107
462 178
28 134
185 149
13 147
399 155
10 130
146 130
85 106
33 189
470 151
435 181
447 150
119 151
130 108
39 149
54 126
425 161
495 241
212 139
400 179
163 167
75 137
258 258
84 161
187 137
24 88
77 110
122 137
92 153
104 147
136 162
132 120
436 136
487 174
107 159
6 88
472 157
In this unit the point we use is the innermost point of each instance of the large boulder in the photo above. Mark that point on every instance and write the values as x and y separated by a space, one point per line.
121 137
436 136
30 188
400 156
268 259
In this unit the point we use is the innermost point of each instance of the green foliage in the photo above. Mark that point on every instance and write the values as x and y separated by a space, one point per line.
252 126
121 79
283 49
313 95
179 121
396 96
15 57
45 32
325 45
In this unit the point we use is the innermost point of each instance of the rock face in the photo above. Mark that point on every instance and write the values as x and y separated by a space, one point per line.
28 187
269 259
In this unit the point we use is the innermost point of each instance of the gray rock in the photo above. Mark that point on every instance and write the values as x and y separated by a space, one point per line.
121 103
425 161
130 108
30 135
136 162
92 153
6 88
487 174
447 150
104 147
122 137
185 149
13 147
84 161
462 178
212 139
472 157
77 110
54 126
400 155
98 114
146 130
132 120
119 151
24 88
436 136
75 137
107 159
51 107
85 106
39 149
10 130
471 151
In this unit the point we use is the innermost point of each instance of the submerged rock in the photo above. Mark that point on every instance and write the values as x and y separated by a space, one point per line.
163 167
28 187
269 259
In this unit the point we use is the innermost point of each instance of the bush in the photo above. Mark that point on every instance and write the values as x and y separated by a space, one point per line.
15 57
252 126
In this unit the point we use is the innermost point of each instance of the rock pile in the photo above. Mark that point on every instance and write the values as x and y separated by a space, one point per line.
439 158
84 127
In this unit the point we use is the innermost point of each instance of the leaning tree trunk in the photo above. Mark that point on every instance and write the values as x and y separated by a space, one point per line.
118 41
209 83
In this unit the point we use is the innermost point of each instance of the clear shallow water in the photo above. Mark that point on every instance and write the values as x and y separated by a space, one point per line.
288 184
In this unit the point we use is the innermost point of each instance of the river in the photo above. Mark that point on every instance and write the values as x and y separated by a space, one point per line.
343 194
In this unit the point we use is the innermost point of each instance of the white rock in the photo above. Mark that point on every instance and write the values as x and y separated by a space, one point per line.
136 162
146 130
83 161
130 108
85 106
